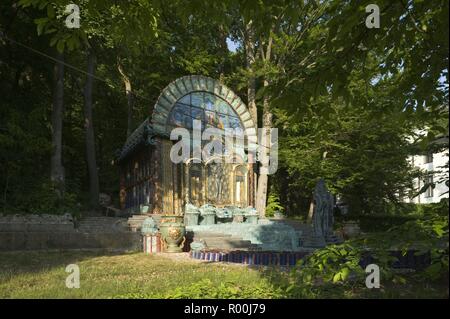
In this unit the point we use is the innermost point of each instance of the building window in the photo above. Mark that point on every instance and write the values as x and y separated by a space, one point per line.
240 194
196 184
429 182
428 158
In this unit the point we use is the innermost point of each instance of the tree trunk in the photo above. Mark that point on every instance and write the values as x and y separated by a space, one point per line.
56 167
310 212
90 137
249 44
130 99
130 103
263 180
224 49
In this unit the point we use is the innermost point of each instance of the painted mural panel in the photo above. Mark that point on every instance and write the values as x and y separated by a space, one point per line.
218 186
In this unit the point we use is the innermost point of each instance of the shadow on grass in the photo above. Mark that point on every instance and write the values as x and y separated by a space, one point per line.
15 263
413 285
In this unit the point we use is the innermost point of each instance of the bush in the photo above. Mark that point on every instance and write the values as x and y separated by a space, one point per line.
273 205
206 289
396 216
376 223
338 266
42 199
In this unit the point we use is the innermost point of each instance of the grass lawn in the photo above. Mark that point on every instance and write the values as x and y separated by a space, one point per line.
106 275
136 275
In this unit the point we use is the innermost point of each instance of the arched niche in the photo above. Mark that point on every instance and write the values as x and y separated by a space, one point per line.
240 185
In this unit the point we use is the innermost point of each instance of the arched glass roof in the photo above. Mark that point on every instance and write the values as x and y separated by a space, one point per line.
210 109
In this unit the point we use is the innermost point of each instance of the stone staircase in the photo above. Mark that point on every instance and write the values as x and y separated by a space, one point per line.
102 225
223 241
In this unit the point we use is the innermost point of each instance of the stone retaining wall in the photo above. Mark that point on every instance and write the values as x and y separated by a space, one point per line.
34 232
37 223
71 240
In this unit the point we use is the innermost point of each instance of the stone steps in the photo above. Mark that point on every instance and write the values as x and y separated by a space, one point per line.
210 234
214 240
224 243
135 222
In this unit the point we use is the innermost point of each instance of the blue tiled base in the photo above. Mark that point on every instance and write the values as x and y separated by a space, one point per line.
251 258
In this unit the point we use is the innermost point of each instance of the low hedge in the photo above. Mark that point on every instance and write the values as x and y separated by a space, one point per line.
376 223
396 217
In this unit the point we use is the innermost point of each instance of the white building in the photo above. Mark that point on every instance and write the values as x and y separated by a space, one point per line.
437 166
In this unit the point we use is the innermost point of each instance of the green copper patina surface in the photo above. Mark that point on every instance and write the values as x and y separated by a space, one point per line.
268 235
251 215
191 214
198 245
149 226
207 214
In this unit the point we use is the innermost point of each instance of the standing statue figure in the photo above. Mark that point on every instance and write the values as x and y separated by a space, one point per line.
323 211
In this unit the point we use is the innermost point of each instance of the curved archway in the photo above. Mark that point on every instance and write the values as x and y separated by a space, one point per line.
185 85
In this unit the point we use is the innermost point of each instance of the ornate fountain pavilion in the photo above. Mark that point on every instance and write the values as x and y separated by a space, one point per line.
148 177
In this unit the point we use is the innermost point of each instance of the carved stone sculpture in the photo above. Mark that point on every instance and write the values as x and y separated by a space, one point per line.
323 211
198 245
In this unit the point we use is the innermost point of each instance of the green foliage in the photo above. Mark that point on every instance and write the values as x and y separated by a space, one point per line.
331 265
345 98
396 215
42 199
376 223
133 33
273 205
360 147
362 161
206 289
338 265
410 45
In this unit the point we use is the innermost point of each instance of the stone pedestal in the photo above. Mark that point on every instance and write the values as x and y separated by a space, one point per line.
207 215
151 243
251 219
238 218
191 218
208 218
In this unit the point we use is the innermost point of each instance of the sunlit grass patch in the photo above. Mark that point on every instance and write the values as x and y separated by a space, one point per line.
106 275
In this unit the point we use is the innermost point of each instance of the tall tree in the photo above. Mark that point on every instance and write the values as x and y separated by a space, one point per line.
56 168
94 31
249 45
130 99
275 19
89 128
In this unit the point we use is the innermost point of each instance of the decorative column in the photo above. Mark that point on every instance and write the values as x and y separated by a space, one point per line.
186 183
